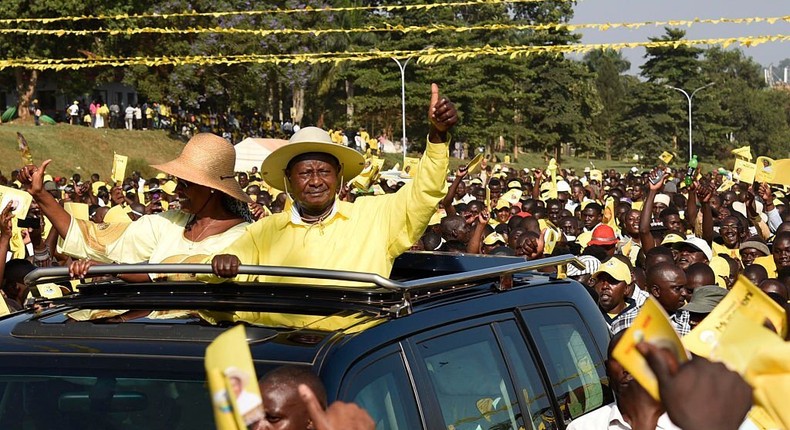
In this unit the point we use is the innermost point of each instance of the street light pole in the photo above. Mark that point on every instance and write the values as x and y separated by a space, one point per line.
402 68
690 98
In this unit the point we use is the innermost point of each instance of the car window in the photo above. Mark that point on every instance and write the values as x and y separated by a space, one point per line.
528 383
106 402
383 389
574 364
470 379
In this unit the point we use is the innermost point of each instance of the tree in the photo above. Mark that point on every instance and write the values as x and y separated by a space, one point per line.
21 45
608 66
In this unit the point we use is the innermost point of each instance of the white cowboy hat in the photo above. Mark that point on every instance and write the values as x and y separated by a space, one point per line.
309 139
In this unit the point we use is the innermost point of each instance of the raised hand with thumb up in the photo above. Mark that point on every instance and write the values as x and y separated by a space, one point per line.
442 116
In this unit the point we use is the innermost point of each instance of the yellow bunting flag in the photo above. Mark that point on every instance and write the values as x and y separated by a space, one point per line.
744 152
423 56
666 157
119 163
232 381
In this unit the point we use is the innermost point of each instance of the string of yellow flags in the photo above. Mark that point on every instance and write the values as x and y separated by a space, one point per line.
397 28
426 56
193 14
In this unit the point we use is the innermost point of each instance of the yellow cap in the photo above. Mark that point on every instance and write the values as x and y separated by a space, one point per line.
502 204
616 269
169 187
672 238
493 238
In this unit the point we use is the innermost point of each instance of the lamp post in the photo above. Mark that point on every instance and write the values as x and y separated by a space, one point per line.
402 67
690 98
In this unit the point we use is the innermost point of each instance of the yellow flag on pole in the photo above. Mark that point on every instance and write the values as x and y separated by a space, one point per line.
119 163
666 157
744 152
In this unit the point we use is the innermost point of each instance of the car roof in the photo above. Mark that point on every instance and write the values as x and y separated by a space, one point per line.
343 313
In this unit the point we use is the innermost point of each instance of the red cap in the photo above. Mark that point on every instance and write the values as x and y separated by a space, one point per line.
603 235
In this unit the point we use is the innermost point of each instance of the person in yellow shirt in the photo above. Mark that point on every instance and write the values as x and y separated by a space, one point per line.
323 232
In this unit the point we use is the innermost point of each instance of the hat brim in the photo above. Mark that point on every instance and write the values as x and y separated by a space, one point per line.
227 185
697 308
603 241
273 167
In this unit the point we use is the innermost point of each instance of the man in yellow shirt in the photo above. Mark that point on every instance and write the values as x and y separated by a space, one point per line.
321 231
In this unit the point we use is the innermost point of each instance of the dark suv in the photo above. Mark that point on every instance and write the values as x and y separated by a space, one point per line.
456 342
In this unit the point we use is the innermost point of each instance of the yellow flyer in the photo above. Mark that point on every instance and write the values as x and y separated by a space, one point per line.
666 157
765 170
232 383
119 163
744 171
744 298
652 325
474 164
21 201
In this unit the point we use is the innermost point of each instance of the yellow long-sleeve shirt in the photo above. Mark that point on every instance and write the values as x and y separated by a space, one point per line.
364 236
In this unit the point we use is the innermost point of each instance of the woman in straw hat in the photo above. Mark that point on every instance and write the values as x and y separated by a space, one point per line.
213 214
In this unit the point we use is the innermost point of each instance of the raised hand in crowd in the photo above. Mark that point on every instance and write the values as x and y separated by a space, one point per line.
338 416
533 246
475 244
33 177
447 202
698 394
655 183
6 221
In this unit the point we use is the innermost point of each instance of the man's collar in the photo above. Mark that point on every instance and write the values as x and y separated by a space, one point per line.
339 208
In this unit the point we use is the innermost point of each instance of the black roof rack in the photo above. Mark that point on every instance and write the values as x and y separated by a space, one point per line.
394 297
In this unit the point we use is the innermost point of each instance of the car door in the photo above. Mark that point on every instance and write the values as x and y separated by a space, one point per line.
479 375
573 360
380 383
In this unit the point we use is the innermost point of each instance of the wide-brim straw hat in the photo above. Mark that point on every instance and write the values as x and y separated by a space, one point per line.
207 160
309 139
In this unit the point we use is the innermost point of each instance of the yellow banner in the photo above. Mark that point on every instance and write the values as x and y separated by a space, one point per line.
266 11
426 56
119 163
393 28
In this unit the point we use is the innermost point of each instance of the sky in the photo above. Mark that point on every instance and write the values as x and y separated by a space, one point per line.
618 11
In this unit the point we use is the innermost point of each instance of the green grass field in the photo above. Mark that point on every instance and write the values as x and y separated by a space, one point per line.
84 150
